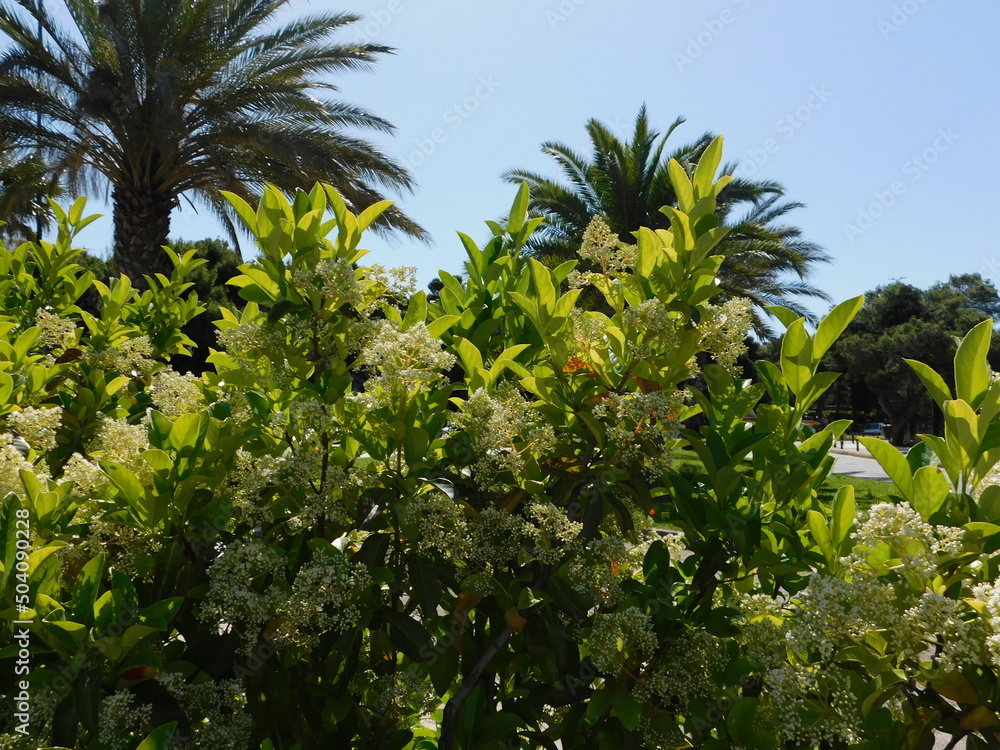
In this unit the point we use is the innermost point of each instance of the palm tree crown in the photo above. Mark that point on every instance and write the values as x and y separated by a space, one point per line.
627 183
169 97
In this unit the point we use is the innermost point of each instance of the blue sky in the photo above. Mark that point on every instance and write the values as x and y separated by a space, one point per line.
880 115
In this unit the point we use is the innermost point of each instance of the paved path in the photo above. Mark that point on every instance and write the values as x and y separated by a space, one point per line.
858 466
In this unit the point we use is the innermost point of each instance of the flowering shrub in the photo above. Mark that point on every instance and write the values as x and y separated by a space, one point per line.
385 522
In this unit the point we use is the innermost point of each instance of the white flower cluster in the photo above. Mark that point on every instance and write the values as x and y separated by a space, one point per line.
939 622
642 417
725 330
598 570
251 474
762 635
793 691
217 710
503 428
37 425
601 247
175 394
441 523
11 464
689 672
324 597
117 440
55 331
402 361
650 328
121 719
989 595
399 282
240 593
495 537
910 539
255 348
335 278
831 611
552 531
398 696
88 479
130 357
621 640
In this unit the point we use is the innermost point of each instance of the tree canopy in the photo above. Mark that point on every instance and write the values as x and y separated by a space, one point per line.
899 322
171 99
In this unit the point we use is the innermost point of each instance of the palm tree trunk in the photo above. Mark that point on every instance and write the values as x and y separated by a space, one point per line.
142 225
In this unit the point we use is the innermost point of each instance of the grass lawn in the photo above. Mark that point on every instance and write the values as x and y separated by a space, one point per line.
866 491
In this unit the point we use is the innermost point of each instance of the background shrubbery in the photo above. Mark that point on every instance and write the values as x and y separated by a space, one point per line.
379 524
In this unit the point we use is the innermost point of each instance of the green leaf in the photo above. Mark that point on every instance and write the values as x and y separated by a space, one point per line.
972 370
708 165
844 512
409 635
786 316
934 383
160 738
88 583
469 355
416 311
893 462
930 490
834 324
519 210
188 429
544 288
739 720
130 488
821 533
797 361
439 326
961 433
682 186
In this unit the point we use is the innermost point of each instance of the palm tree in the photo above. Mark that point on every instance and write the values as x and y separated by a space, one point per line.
168 98
627 182
25 184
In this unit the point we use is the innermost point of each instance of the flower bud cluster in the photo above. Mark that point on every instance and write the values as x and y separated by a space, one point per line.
689 672
174 394
122 719
131 357
244 589
602 248
724 331
402 362
552 531
910 539
504 429
37 425
793 691
830 612
650 329
217 711
441 523
324 597
55 331
11 464
621 640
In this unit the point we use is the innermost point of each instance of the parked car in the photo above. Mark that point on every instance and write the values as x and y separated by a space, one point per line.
876 429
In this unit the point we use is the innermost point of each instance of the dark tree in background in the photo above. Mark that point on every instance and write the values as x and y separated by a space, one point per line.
900 321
